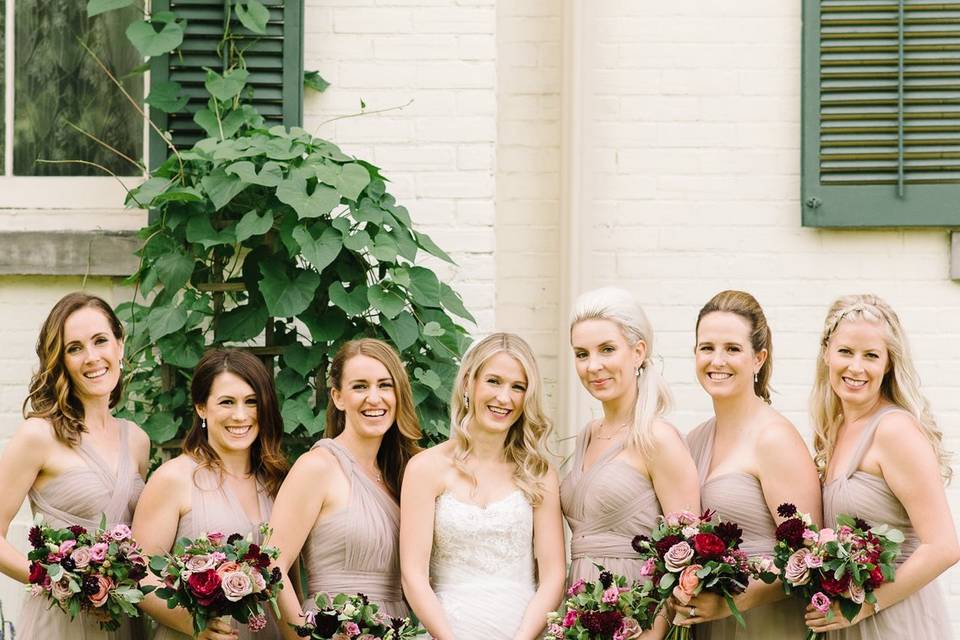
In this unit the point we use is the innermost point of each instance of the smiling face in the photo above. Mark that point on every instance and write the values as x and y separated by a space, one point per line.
91 353
499 390
857 360
606 363
231 413
725 359
366 396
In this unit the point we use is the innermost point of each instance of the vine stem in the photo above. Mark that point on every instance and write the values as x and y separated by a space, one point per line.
399 107
105 145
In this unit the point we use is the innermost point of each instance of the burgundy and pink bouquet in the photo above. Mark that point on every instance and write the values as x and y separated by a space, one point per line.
217 576
687 554
823 566
346 617
98 573
607 609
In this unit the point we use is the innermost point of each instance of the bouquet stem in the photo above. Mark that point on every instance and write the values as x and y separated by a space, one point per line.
678 632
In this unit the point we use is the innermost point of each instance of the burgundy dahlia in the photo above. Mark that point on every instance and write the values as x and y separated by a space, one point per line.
77 530
663 544
234 537
860 523
36 537
606 579
91 585
730 533
791 532
787 510
637 543
327 624
601 623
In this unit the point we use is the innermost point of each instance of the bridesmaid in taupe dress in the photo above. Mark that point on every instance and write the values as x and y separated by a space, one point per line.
609 495
224 481
338 507
881 457
750 459
71 457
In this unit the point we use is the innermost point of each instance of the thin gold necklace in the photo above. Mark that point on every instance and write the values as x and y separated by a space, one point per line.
600 436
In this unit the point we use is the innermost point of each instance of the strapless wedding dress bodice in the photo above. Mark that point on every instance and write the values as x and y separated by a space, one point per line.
482 566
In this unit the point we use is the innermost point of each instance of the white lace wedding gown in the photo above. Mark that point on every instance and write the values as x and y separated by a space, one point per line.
482 567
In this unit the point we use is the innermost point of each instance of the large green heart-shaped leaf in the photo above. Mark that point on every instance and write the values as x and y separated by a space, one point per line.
226 86
160 427
253 224
151 42
289 382
96 7
428 245
327 325
302 359
253 15
319 251
222 187
142 196
293 191
287 296
182 349
352 303
349 179
425 287
174 270
164 320
384 248
270 175
452 302
403 329
167 96
200 230
388 302
242 323
313 80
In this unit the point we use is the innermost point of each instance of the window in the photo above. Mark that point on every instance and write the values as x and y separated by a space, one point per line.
881 113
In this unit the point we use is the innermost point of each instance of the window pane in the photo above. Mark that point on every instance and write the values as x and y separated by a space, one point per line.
56 82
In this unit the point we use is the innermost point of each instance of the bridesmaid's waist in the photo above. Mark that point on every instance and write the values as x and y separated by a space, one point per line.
378 586
603 545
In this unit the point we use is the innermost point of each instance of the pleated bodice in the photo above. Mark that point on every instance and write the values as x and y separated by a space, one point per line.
861 494
738 497
606 506
80 496
215 507
355 549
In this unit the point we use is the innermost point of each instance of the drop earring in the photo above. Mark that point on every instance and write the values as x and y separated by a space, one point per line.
203 423
466 400
756 377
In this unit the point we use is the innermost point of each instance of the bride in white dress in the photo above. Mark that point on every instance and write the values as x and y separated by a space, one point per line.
481 537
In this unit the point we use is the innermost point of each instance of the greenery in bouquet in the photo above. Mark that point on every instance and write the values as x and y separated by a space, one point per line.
608 609
348 617
94 572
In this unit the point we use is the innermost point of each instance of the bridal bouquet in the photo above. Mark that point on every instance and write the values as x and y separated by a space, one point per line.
218 576
842 565
607 609
97 572
345 617
687 554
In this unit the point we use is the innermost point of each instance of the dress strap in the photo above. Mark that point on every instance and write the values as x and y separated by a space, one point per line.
866 438
344 457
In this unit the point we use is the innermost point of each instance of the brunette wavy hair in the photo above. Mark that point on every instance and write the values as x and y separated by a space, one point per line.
51 394
399 443
266 455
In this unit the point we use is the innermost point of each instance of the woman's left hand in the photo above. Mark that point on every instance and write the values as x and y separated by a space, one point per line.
817 620
703 607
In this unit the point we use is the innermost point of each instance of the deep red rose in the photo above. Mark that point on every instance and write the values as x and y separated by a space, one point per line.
37 573
876 578
791 532
205 586
663 544
708 545
833 587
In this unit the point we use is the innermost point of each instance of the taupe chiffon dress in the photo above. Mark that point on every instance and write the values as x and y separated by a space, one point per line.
79 496
861 494
214 507
606 506
738 497
355 549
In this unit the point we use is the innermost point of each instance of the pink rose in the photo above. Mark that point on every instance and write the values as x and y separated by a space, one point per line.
570 619
820 602
797 572
763 564
98 552
687 584
813 561
576 588
681 519
199 564
690 531
856 592
351 628
81 557
259 584
216 537
844 534
104 584
60 590
809 537
66 546
826 535
236 585
678 556
611 595
228 567
120 532
218 557
648 567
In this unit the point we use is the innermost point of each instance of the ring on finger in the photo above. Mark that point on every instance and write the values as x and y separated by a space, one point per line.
693 612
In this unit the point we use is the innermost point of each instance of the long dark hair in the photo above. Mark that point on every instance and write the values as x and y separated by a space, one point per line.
266 456
400 441
51 395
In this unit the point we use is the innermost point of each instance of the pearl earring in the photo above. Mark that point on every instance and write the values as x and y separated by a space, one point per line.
203 423
756 377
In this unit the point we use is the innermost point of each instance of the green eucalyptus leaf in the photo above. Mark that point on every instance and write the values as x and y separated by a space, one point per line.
352 303
96 7
302 359
222 187
293 191
321 251
313 80
241 323
167 96
162 320
227 86
254 224
425 287
428 245
253 15
270 175
388 302
182 349
174 270
151 42
402 329
287 296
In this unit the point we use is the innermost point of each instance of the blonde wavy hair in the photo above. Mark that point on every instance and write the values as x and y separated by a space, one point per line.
653 395
901 383
525 445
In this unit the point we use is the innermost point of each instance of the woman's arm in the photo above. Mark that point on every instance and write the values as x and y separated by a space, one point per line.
164 500
20 464
551 562
421 485
672 471
912 471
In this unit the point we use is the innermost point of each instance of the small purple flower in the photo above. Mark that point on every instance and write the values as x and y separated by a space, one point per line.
120 532
820 602
611 595
577 588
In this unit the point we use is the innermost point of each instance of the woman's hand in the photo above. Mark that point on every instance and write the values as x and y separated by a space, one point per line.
703 607
817 620
218 629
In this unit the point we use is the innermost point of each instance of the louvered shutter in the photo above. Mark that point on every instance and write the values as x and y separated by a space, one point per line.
881 113
274 60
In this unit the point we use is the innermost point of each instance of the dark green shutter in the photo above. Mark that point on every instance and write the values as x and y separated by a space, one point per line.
881 113
274 60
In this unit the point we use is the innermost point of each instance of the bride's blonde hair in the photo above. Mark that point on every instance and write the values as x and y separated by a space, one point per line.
525 445
901 383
